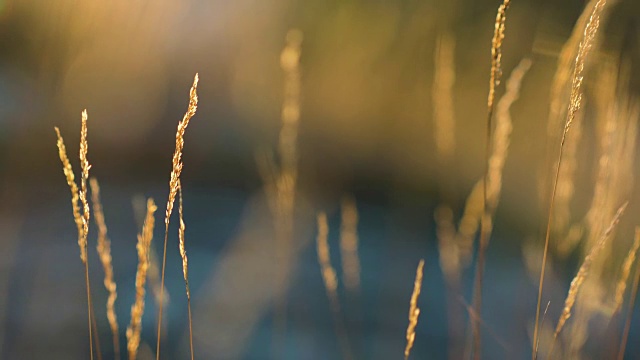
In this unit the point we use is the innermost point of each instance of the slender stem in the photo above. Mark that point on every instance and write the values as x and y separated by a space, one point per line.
89 305
534 353
164 263
190 327
96 334
485 233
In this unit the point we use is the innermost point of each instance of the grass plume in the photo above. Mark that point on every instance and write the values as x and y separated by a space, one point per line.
559 95
575 103
174 183
414 310
621 287
577 281
331 283
137 309
84 170
104 253
627 324
80 214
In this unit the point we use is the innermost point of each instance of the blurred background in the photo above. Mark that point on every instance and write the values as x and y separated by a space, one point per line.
371 73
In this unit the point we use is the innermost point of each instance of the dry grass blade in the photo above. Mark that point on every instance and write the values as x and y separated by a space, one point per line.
185 265
626 270
575 102
173 190
104 252
69 175
80 215
139 204
349 245
84 170
414 311
493 179
485 220
577 281
331 283
502 137
627 324
557 112
137 309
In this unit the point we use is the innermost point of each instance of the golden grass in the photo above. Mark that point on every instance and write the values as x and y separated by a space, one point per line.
81 218
469 222
104 253
174 183
185 265
482 210
324 259
497 153
349 245
627 324
139 204
575 102
559 95
448 249
331 283
577 281
82 194
137 309
621 286
70 177
617 141
280 181
414 310
486 218
503 129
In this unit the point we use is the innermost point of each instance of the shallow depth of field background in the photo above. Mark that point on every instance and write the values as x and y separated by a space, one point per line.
366 130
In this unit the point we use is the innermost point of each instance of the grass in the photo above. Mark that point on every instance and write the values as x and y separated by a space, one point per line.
456 241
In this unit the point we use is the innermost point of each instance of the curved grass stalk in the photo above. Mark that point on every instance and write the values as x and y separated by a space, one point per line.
173 190
575 103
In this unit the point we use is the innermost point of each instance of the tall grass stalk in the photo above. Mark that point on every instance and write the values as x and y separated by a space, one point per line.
137 309
627 323
499 152
104 252
486 219
577 281
621 287
80 215
575 103
174 183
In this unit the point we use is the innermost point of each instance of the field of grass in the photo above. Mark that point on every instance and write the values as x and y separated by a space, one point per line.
396 183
